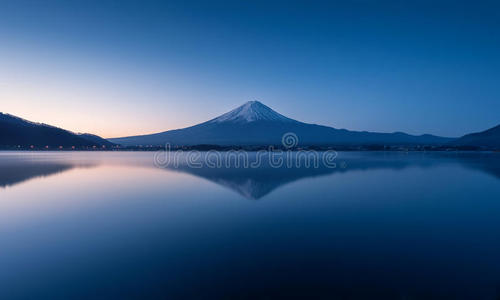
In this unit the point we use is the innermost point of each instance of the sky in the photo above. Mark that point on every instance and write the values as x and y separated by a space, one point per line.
120 68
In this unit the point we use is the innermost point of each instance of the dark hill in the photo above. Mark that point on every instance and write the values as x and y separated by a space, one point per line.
15 131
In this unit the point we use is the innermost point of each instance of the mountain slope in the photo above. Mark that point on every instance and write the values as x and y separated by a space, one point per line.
92 138
489 138
254 123
15 131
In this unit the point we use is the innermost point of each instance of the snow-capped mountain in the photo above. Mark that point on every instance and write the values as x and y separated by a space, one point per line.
254 123
252 111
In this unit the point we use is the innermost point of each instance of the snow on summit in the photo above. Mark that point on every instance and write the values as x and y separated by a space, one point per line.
250 112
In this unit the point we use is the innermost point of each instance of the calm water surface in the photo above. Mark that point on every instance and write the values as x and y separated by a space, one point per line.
110 225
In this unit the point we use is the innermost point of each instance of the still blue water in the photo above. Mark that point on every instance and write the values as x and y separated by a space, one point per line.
113 225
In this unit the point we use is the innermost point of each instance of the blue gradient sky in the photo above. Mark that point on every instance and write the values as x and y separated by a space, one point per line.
118 68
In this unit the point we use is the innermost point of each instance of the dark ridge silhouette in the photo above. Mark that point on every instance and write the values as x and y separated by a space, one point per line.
254 123
489 139
92 138
18 132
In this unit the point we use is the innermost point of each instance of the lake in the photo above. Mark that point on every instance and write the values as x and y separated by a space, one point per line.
119 225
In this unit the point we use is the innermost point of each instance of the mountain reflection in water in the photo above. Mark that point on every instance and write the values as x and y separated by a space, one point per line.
250 182
380 225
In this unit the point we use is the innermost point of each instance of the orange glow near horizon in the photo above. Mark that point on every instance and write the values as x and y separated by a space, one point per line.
96 97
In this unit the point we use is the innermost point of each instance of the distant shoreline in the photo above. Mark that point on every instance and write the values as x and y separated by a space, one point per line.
203 148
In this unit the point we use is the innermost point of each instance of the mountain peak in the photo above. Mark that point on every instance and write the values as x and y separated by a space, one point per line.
251 111
253 102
